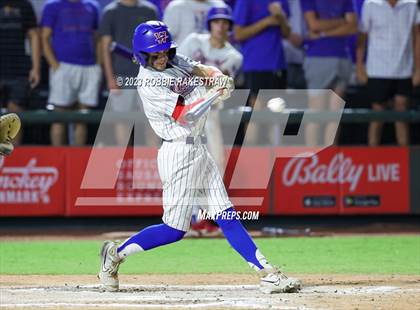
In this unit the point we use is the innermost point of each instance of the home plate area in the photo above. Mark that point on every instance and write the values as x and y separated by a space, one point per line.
352 296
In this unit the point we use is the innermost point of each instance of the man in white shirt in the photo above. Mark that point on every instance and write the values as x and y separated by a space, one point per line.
393 58
187 16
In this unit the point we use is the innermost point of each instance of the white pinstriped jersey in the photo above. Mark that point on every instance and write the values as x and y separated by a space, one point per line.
197 46
159 101
188 173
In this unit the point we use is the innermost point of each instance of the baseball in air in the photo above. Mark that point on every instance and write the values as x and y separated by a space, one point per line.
276 104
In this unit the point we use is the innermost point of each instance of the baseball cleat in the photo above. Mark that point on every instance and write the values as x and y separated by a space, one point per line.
110 262
274 281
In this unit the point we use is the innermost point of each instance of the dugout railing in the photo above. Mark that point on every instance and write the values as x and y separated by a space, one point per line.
228 116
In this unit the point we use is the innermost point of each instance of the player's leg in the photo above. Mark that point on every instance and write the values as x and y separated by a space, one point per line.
215 146
177 207
272 280
112 254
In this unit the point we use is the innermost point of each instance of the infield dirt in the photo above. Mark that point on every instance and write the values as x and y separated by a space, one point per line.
209 291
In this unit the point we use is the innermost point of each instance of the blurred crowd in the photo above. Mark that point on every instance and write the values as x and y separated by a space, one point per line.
57 55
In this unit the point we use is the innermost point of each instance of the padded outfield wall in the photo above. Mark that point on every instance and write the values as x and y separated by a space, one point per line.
49 181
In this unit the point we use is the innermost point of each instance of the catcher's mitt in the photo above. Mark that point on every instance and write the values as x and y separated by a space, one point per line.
9 128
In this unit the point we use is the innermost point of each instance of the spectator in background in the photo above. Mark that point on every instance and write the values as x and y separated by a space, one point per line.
69 44
157 3
187 16
293 47
260 26
213 49
393 59
119 20
327 64
18 71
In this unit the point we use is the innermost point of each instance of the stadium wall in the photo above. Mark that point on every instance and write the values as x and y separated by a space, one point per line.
71 182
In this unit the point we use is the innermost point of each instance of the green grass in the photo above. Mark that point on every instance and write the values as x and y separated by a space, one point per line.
357 255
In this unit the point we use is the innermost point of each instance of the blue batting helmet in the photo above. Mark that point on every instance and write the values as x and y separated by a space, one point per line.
220 12
151 37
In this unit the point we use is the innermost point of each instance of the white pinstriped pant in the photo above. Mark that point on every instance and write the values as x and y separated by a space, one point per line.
190 177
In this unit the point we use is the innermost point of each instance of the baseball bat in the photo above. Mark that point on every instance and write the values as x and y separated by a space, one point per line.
121 50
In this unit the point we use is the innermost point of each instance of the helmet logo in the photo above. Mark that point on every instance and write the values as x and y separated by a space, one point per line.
161 37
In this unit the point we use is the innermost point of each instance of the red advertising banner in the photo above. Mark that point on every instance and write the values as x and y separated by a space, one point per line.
242 177
47 181
352 180
134 189
32 182
383 184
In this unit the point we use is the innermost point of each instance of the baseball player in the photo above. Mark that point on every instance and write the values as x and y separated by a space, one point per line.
9 128
213 49
177 112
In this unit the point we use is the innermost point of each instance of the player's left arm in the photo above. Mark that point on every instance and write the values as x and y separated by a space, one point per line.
206 71
189 112
217 79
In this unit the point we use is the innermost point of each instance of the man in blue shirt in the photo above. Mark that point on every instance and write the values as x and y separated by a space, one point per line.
68 37
260 26
327 64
